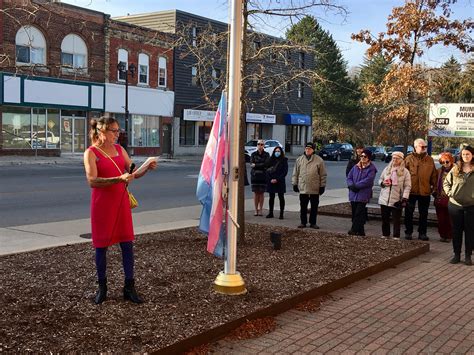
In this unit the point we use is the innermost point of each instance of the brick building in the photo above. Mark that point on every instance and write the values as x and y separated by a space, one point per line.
150 91
58 69
52 76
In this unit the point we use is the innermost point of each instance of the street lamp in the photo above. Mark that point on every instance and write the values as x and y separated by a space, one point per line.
122 68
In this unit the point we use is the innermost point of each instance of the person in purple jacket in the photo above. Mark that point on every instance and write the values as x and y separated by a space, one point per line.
360 182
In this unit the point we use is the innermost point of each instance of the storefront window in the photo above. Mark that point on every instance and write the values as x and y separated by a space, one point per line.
38 120
294 134
204 130
186 132
53 125
146 131
255 130
16 127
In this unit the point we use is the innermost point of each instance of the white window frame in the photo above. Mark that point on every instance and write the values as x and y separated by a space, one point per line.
162 63
33 39
144 60
194 76
300 90
77 48
122 57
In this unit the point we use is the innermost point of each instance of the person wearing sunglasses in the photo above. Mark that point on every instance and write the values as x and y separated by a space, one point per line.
395 183
258 178
459 186
446 160
360 182
423 183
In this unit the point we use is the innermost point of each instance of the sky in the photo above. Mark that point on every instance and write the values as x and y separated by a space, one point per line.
362 14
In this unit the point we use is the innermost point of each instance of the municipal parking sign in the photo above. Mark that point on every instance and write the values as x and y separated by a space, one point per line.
451 120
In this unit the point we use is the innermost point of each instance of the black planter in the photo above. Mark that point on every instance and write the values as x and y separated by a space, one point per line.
275 238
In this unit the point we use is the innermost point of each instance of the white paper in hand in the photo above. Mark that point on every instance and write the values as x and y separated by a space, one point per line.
145 165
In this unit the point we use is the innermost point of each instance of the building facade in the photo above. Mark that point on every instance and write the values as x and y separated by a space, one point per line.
274 110
51 76
59 69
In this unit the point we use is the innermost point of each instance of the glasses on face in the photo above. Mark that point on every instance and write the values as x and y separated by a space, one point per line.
445 162
260 144
363 156
396 158
114 131
423 146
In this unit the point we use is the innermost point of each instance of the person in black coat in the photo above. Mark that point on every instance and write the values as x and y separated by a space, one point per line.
355 159
276 173
258 163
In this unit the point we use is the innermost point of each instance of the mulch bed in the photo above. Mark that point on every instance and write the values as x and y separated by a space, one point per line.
344 210
46 303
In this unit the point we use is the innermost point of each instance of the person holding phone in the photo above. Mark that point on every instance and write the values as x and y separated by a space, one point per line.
108 173
395 183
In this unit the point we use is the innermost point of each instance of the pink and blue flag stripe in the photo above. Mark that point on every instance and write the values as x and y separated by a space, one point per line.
211 181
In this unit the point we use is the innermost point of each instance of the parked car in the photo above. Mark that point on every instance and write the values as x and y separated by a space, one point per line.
378 152
337 151
251 146
398 148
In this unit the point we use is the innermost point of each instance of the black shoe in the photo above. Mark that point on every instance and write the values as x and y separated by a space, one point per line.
129 292
423 237
408 236
314 226
270 215
468 260
456 259
101 294
302 225
281 215
351 232
362 234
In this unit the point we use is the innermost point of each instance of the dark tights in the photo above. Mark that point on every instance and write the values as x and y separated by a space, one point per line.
127 260
271 202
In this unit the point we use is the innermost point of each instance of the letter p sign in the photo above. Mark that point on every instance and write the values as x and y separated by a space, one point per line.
442 111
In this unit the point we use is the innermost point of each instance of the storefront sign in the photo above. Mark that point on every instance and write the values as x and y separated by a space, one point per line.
260 118
451 120
198 115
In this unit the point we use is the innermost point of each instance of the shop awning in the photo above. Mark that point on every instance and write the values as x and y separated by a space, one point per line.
297 119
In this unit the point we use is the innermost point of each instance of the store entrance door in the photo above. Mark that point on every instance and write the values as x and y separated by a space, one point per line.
73 134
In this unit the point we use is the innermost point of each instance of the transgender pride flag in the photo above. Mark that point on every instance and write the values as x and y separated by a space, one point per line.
210 183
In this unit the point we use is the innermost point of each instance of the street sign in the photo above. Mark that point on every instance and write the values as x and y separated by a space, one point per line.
451 120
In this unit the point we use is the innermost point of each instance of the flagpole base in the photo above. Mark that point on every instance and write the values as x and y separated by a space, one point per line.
230 284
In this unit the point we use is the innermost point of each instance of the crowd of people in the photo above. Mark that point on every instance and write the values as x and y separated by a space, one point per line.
406 183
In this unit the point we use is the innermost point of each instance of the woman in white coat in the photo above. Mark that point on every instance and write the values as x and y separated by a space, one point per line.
395 182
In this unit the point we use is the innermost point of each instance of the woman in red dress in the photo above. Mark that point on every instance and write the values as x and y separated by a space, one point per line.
107 165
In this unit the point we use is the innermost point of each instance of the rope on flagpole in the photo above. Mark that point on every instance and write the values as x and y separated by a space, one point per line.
232 218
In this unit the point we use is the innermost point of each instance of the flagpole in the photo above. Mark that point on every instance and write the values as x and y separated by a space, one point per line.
230 281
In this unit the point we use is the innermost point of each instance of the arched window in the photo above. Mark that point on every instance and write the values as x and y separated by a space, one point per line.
162 72
143 68
73 52
122 57
30 46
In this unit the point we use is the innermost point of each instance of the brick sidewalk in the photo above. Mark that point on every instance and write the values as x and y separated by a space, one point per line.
425 305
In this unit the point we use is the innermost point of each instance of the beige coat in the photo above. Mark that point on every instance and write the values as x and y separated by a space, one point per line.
309 175
391 194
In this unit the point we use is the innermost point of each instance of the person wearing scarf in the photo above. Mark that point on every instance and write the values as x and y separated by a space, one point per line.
441 199
360 182
395 183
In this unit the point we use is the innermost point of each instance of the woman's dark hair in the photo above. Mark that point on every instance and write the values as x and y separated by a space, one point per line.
460 161
100 124
282 153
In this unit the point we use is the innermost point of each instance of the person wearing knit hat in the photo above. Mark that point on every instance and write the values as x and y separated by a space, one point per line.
459 186
395 183
360 182
441 200
355 159
309 180
423 182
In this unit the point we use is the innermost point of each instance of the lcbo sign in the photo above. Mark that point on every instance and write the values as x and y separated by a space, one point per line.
451 120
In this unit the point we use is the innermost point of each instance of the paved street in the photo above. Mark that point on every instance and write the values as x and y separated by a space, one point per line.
32 194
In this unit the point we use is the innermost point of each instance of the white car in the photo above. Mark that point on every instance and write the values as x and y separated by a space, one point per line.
270 145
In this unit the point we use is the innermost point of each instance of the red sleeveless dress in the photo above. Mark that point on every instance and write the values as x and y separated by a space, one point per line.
111 216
